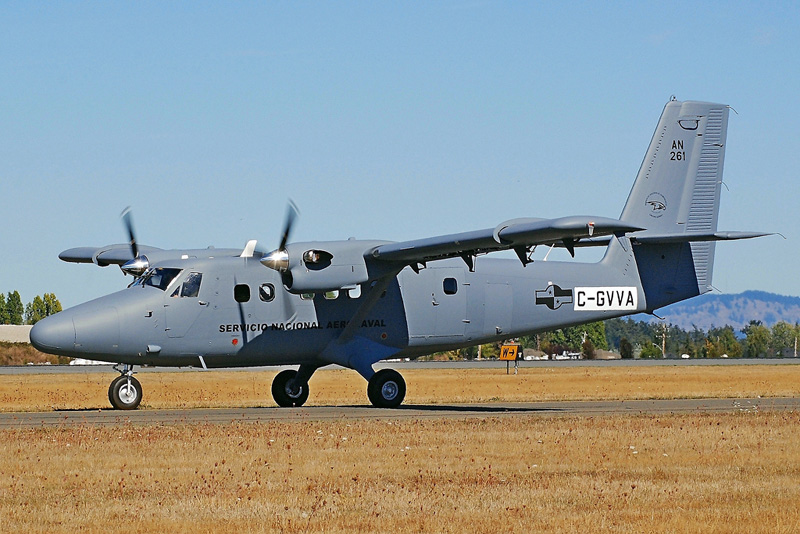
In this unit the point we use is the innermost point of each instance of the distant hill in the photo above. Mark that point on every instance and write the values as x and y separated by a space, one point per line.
715 310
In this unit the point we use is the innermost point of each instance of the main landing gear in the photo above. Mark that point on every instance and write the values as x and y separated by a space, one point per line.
125 392
385 389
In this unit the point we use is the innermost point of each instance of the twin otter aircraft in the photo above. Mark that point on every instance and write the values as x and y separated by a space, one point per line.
354 303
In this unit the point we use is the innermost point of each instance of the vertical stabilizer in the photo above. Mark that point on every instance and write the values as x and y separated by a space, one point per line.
677 192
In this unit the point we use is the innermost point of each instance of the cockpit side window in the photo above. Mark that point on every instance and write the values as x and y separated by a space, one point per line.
158 277
191 287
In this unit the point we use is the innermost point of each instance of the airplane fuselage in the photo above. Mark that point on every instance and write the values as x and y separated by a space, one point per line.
242 315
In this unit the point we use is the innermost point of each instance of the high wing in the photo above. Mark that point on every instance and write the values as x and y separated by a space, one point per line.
517 234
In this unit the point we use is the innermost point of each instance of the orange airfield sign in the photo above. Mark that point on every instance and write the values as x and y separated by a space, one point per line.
509 352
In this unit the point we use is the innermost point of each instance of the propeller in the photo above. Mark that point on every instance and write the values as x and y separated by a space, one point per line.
291 214
127 220
139 264
279 259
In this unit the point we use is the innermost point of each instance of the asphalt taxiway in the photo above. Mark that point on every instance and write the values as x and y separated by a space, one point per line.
453 411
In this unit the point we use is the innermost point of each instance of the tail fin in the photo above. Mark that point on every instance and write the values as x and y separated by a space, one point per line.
676 198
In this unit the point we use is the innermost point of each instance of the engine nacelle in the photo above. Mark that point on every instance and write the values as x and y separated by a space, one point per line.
326 266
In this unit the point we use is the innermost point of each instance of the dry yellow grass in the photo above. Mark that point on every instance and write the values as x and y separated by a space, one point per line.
434 386
737 472
676 473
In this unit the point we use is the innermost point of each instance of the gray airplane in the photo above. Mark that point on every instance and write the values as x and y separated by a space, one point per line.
355 302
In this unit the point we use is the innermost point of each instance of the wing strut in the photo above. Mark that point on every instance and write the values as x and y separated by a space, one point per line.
470 261
524 255
376 290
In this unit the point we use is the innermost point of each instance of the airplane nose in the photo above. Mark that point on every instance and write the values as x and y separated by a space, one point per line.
54 333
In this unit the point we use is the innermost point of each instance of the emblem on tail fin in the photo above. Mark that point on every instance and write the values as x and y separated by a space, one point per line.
657 204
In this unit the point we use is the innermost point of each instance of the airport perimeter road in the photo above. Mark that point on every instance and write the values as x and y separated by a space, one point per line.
472 364
457 411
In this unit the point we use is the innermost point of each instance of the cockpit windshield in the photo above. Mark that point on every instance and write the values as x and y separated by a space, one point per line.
158 277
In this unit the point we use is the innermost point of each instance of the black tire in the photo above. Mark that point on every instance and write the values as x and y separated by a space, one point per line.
386 389
123 397
281 393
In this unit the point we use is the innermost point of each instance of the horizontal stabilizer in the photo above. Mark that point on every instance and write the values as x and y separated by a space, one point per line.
696 237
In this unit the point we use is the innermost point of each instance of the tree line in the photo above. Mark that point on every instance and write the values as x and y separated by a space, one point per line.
640 339
756 340
13 312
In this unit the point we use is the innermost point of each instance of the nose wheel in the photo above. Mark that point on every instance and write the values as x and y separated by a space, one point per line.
125 392
287 391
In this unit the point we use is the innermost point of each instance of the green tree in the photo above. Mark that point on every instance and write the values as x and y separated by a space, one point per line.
467 353
783 337
596 333
758 339
587 350
530 342
721 342
554 342
572 338
490 350
650 350
641 333
35 311
14 308
3 311
625 348
51 304
727 342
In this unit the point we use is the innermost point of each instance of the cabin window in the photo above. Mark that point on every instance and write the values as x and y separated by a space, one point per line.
450 286
332 295
241 293
266 292
307 296
191 287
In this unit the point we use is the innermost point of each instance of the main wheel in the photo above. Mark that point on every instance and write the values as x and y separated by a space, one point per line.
386 389
125 393
284 395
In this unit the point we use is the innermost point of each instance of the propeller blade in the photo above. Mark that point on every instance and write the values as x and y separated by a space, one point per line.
127 219
291 214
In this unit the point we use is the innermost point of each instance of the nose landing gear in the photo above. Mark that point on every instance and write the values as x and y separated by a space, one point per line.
125 392
287 392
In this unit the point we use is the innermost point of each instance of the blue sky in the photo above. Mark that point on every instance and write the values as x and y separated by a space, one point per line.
381 120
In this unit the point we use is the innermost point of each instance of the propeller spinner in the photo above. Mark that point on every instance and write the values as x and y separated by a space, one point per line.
279 259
